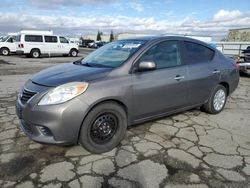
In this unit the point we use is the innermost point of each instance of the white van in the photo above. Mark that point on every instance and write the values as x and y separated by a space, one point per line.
34 44
7 44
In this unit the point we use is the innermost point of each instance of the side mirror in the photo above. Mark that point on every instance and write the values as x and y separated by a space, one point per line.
146 66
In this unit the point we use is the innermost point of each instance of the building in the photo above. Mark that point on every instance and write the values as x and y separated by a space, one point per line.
118 36
105 37
236 35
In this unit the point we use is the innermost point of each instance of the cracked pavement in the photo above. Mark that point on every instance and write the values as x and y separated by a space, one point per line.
189 149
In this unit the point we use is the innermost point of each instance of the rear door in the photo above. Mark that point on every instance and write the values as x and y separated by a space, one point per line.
203 71
163 89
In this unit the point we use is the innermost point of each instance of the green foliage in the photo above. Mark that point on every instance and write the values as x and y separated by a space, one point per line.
111 37
99 36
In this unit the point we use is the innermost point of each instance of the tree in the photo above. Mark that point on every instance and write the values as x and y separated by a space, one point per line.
99 36
111 37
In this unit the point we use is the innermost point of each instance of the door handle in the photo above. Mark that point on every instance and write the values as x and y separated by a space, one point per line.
178 77
216 71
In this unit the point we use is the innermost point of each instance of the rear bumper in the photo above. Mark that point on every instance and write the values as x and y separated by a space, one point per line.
20 52
244 66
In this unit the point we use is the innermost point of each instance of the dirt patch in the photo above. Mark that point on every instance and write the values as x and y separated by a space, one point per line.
6 62
17 167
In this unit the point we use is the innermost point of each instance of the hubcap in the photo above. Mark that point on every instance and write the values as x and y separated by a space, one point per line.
5 52
219 100
35 54
73 53
104 128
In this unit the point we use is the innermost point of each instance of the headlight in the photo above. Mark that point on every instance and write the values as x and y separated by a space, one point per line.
64 93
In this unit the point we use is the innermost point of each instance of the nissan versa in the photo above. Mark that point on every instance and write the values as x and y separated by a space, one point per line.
92 101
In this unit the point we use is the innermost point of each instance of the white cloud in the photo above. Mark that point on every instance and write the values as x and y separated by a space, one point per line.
136 5
224 15
50 4
217 26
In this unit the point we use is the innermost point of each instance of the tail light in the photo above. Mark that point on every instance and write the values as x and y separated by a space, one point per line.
20 45
237 66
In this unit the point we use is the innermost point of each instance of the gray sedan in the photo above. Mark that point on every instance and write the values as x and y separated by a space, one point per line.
93 100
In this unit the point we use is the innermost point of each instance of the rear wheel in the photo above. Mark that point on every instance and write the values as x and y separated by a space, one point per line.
217 100
5 51
103 128
73 53
35 53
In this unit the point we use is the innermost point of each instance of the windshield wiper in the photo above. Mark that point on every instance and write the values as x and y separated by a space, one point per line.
79 62
94 65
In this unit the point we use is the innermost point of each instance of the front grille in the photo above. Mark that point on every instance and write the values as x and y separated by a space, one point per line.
26 95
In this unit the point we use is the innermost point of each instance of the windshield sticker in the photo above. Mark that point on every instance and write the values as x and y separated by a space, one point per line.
131 45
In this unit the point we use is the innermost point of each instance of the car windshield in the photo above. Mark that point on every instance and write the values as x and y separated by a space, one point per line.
113 54
4 38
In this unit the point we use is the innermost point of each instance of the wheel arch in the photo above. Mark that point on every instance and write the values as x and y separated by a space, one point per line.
118 102
35 49
4 47
73 49
226 85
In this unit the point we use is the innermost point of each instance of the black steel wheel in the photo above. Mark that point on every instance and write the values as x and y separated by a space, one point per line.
103 128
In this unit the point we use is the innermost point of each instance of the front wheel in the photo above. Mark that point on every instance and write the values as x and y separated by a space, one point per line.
217 100
73 53
103 128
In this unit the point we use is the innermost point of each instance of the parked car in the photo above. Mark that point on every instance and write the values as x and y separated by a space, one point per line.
7 45
35 45
96 44
244 63
92 101
86 42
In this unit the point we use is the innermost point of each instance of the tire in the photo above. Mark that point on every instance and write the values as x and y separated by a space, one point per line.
211 106
5 51
73 53
90 137
35 53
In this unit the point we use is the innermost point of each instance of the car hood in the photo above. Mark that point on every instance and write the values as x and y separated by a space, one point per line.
68 72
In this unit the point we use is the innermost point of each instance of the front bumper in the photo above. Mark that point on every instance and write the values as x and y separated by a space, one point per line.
51 124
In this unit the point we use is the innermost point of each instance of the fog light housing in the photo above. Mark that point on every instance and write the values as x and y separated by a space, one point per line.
45 131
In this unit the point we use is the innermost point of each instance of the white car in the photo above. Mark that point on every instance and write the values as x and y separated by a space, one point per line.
7 45
35 45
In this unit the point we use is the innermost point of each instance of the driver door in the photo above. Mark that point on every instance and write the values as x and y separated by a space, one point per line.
163 89
64 45
11 43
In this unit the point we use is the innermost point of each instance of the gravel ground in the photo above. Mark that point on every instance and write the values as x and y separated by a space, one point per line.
190 149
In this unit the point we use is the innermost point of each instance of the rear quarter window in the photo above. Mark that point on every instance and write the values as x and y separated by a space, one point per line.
197 53
33 38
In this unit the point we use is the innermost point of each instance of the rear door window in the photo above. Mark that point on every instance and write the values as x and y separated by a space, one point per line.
33 38
197 53
51 39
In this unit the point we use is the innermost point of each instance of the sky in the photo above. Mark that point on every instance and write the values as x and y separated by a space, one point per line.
78 17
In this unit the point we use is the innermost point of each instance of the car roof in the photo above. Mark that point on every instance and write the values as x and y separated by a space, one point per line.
174 37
